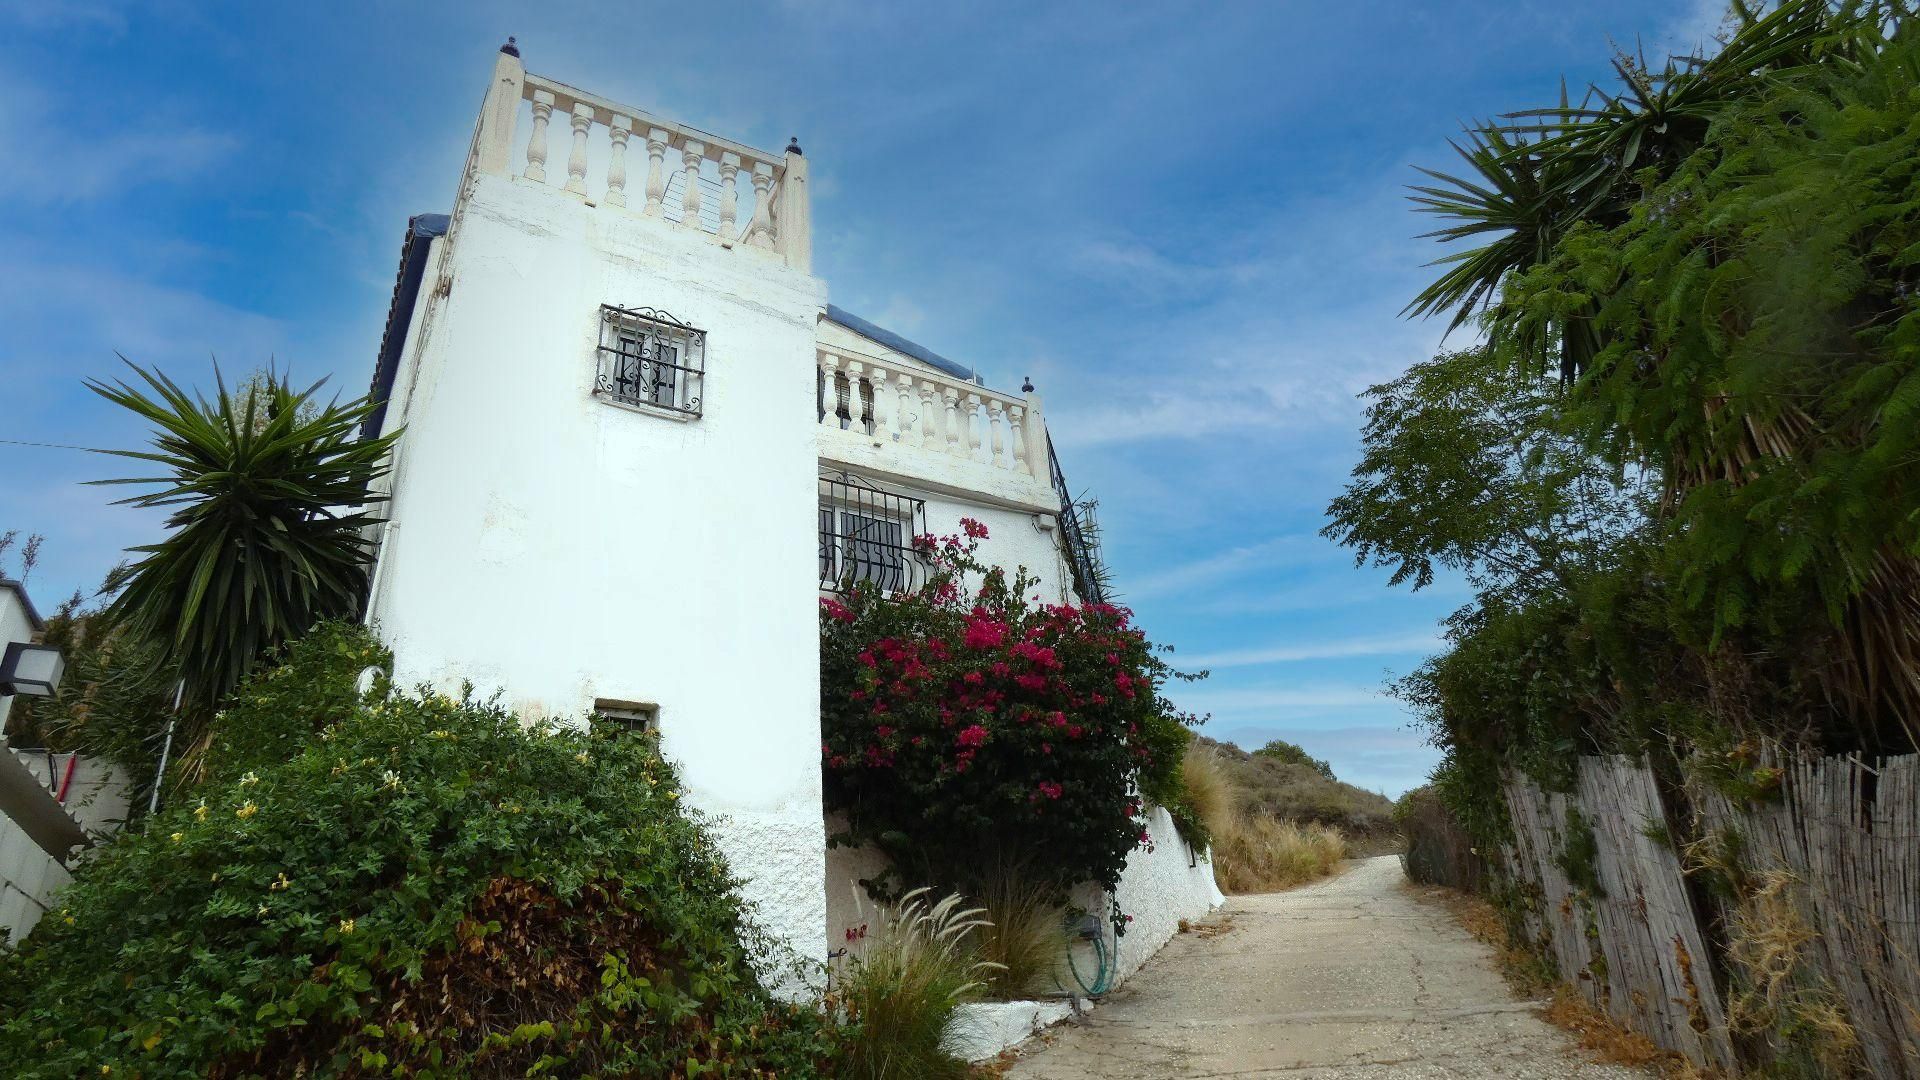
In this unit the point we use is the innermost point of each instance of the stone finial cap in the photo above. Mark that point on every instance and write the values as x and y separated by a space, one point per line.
510 48
793 145
1026 384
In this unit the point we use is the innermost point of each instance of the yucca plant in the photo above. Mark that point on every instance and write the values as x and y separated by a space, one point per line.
268 490
1537 174
899 996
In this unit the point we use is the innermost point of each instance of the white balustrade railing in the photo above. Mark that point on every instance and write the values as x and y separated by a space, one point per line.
692 178
906 405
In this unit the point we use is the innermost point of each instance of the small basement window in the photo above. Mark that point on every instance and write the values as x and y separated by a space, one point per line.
650 360
626 717
866 534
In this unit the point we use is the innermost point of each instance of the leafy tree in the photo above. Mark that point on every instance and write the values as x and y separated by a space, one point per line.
1463 467
1721 255
268 494
1292 754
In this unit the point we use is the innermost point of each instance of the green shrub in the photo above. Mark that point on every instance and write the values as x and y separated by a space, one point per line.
277 714
1439 851
900 995
1293 754
424 888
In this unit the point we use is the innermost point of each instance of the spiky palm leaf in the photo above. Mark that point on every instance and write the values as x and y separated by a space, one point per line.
268 493
1536 175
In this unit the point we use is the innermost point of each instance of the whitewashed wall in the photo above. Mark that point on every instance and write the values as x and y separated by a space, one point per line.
1163 884
559 549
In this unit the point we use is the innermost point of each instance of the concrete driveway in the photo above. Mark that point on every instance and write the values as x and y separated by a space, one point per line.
1350 977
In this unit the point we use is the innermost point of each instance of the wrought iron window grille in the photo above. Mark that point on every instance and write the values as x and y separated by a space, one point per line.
866 534
650 360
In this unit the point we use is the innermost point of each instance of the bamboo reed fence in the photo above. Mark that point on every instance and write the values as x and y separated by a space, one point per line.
1739 935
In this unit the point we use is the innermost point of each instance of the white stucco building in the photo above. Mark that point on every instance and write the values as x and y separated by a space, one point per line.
639 443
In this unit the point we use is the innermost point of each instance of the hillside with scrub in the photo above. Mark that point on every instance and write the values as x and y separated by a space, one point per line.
1279 817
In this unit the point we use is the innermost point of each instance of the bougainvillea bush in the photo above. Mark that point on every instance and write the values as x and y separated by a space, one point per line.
971 728
422 887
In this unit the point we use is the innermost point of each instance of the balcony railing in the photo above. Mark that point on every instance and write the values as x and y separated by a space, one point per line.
692 178
928 424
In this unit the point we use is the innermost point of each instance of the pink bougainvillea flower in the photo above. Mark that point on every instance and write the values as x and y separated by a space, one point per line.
984 632
835 610
1050 789
973 735
973 528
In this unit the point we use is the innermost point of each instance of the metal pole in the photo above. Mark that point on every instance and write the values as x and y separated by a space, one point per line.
153 801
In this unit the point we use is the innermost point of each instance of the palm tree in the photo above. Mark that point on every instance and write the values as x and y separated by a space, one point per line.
269 491
1537 174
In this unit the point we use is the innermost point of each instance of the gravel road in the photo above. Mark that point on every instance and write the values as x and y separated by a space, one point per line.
1355 976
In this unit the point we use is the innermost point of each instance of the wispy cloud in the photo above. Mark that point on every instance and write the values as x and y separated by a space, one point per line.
1216 566
1295 651
64 164
77 14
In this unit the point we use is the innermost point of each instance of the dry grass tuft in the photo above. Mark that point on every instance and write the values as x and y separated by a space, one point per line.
1606 1040
1775 989
1260 854
1207 784
1024 938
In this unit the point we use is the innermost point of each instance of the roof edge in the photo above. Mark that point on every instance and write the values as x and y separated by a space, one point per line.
899 344
26 602
422 230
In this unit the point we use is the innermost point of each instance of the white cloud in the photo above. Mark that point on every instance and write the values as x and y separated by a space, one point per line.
1295 651
1216 566
62 164
1279 697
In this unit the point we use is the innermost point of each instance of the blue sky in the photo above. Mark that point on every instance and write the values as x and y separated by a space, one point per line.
1186 222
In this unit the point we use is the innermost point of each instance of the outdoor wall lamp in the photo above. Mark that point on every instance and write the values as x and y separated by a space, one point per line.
31 670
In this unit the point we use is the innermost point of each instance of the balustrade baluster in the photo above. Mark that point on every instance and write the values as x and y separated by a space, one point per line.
1017 420
975 422
618 131
656 172
956 435
996 418
577 157
856 401
830 406
729 193
882 401
690 154
537 141
760 228
912 419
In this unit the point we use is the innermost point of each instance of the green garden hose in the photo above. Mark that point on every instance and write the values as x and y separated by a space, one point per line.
1089 930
